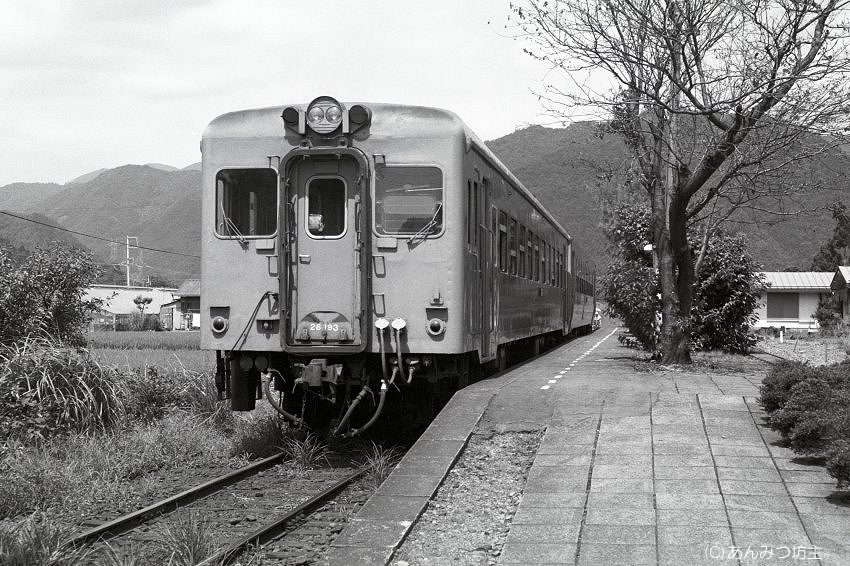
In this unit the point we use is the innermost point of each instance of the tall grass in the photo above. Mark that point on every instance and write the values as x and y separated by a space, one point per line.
185 539
307 453
37 542
380 462
48 387
87 468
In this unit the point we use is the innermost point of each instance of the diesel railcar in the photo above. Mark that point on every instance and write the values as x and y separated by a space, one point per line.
352 249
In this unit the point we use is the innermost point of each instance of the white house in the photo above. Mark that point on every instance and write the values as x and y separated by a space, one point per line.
118 305
790 298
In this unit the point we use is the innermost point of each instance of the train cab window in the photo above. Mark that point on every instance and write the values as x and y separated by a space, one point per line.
246 202
408 200
521 262
503 242
326 202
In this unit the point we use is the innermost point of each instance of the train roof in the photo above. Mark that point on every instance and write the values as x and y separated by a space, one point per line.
390 118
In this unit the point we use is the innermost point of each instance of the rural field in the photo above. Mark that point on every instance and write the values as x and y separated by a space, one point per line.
166 351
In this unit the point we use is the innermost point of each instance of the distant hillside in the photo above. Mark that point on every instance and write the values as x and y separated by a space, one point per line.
20 197
562 167
28 235
161 208
86 177
569 169
566 168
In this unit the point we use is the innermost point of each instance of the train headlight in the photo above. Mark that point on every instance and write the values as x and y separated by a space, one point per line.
219 324
398 323
315 115
333 114
382 323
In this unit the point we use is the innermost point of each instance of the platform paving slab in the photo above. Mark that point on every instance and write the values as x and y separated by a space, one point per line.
634 468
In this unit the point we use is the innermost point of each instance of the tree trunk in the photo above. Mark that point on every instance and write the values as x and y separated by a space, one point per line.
678 278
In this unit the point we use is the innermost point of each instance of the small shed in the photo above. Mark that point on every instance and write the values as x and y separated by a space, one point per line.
184 313
839 286
790 298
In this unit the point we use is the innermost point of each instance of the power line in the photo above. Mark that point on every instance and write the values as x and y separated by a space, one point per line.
91 236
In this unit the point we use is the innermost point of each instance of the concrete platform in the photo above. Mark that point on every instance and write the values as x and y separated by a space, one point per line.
656 468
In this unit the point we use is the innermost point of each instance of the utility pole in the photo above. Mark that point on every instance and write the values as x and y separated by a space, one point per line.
132 242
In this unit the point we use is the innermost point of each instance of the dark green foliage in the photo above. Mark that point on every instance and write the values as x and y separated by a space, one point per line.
727 296
725 299
810 407
776 387
44 294
835 252
838 464
828 315
150 395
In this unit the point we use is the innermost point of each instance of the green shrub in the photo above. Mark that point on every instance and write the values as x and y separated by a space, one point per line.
150 395
810 407
838 464
47 388
44 294
726 293
776 387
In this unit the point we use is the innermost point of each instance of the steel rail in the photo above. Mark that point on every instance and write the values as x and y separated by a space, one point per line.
767 357
268 532
127 522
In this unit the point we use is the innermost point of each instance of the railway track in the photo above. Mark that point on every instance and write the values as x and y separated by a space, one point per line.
124 523
239 510
272 530
767 357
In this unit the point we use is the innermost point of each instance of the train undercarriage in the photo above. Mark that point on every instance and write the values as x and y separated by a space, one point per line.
346 395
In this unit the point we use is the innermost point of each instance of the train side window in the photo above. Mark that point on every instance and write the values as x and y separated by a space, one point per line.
472 212
408 200
521 266
544 268
326 203
536 258
503 242
513 247
246 202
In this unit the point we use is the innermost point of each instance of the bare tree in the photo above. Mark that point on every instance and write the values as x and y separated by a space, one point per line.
715 99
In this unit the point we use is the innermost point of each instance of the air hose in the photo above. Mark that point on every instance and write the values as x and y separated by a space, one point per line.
266 378
351 408
381 397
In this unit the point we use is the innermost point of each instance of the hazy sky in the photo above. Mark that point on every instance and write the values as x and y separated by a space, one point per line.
86 84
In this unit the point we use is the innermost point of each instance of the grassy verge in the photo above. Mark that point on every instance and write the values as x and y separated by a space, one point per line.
144 340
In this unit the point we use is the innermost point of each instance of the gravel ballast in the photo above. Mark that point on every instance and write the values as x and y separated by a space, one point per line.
468 519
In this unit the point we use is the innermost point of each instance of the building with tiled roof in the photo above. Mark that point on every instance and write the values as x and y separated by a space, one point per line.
790 298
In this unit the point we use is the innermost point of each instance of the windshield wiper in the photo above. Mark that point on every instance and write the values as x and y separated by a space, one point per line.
231 226
423 232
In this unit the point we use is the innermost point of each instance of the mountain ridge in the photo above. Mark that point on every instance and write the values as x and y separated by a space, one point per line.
570 170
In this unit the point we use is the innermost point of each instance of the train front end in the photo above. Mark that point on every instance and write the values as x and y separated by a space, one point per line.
306 291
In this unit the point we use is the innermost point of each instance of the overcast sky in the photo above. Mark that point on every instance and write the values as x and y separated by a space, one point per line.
87 84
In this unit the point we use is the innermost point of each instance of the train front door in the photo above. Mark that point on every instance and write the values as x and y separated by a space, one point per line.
324 228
